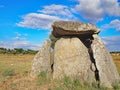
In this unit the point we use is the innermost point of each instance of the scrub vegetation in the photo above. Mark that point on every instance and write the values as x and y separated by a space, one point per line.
15 75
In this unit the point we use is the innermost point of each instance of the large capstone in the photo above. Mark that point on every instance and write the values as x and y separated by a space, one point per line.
69 28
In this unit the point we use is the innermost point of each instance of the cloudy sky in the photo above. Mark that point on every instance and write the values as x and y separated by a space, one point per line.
27 23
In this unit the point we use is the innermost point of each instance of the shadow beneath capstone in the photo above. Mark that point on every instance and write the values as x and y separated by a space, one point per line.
87 41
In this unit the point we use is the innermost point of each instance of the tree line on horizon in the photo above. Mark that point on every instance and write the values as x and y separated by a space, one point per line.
17 51
30 51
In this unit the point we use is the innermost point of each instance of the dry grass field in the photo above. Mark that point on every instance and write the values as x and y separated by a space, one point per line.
116 59
15 70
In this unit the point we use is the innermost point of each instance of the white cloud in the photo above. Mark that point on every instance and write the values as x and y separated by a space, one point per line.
19 41
58 10
37 21
19 36
16 38
45 17
95 10
112 42
90 9
1 43
115 24
20 44
110 7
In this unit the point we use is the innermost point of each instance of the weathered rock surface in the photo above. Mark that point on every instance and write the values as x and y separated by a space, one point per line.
78 53
41 62
67 28
108 74
52 61
71 59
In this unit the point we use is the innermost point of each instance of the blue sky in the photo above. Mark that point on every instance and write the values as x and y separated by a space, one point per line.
27 23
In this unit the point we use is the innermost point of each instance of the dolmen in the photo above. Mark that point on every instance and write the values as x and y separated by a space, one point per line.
78 53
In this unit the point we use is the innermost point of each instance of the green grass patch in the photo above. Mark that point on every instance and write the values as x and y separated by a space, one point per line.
68 84
116 86
9 72
42 79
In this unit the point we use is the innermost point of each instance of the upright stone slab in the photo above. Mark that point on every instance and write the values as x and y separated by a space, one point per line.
41 62
107 70
71 59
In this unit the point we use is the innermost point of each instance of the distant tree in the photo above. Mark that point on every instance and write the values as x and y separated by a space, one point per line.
29 51
19 50
3 50
13 51
53 40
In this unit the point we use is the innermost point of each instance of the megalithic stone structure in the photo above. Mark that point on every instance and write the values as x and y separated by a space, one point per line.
79 53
